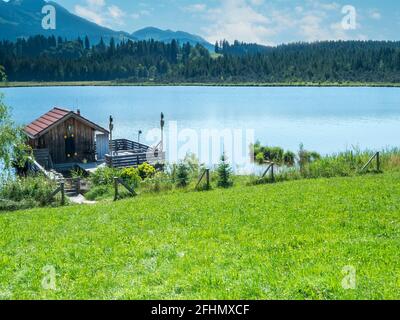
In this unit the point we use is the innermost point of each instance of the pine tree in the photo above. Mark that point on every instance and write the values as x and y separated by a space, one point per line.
87 43
224 171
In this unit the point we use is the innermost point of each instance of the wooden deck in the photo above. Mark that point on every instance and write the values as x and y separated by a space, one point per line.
128 153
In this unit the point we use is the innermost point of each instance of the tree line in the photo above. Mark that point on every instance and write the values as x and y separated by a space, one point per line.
42 58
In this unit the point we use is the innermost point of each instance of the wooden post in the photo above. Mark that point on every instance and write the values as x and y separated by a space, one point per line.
208 178
62 185
78 185
378 162
116 188
272 172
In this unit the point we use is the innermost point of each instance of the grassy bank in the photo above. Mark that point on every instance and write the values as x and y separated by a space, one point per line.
289 241
149 84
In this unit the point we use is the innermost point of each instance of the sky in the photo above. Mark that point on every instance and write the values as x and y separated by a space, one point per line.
269 22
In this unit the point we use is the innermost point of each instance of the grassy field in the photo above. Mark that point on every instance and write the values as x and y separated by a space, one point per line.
150 83
290 240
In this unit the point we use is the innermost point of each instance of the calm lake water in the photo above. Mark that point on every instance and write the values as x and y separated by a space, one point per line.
327 120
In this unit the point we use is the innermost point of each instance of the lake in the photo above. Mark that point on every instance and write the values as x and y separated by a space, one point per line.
326 120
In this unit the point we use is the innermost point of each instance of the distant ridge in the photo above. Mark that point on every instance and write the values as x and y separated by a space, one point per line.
168 35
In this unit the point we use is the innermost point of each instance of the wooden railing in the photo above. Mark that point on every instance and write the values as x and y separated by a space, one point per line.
127 145
131 159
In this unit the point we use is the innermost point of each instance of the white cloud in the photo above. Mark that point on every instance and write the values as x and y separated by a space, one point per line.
98 12
375 14
88 14
237 19
198 7
115 12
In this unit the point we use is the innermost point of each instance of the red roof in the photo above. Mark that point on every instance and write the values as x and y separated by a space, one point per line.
45 122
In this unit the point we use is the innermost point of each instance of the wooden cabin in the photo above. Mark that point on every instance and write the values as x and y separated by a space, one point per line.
65 137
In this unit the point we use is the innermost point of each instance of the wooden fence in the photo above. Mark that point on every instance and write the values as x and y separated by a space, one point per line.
60 189
119 181
376 156
205 175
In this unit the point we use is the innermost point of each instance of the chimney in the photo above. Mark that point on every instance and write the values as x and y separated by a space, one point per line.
78 112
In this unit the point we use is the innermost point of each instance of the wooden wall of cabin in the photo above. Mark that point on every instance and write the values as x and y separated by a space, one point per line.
54 140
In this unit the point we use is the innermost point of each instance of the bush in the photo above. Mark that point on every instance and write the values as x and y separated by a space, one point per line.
104 176
131 176
99 192
260 158
158 183
146 170
182 175
28 192
289 159
224 173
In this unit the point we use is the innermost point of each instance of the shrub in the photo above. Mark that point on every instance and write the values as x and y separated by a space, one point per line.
131 176
29 192
224 173
182 175
289 159
146 170
273 154
158 183
99 192
104 176
260 158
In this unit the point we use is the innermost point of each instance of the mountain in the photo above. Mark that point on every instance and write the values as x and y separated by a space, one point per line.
23 18
168 35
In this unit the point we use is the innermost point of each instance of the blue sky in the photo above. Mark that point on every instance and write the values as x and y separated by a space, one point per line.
263 21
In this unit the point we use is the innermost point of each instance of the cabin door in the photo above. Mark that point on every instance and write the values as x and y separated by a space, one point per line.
102 146
70 148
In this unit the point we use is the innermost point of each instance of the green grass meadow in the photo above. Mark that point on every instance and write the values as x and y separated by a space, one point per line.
290 240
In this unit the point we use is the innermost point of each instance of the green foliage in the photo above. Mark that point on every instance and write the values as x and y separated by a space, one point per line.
289 158
160 182
13 149
100 192
146 171
307 157
224 171
48 59
260 158
104 176
182 175
3 76
131 176
78 173
273 154
27 192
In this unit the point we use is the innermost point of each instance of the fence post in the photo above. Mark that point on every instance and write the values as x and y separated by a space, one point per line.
62 185
208 178
272 172
116 188
78 185
378 162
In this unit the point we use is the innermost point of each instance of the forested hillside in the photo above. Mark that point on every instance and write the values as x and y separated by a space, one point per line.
50 59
